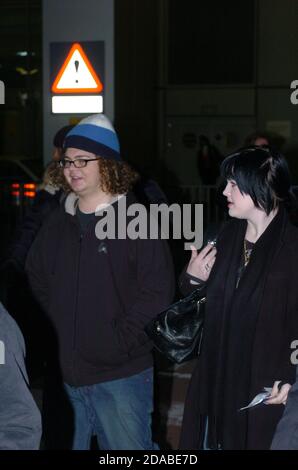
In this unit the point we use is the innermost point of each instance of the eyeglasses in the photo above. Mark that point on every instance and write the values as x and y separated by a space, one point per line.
78 163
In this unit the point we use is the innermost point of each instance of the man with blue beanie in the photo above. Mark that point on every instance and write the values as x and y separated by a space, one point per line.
100 291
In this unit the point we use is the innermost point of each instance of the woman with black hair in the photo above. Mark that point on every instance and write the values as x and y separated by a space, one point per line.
251 310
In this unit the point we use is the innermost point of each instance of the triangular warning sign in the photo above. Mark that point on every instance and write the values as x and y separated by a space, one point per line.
77 74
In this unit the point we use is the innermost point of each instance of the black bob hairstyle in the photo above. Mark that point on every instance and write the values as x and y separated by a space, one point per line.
260 172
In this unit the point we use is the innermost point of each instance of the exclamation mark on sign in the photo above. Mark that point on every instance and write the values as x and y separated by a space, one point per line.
77 68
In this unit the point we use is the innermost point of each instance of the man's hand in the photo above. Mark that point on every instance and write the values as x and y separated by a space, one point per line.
278 395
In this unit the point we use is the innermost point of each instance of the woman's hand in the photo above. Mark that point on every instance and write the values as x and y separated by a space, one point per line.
201 263
278 396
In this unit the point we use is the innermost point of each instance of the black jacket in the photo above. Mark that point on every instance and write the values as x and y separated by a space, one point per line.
247 338
99 294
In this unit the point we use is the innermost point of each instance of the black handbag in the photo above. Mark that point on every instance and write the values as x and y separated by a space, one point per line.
177 331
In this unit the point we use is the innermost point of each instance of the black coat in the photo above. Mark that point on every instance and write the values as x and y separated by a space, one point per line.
99 295
264 345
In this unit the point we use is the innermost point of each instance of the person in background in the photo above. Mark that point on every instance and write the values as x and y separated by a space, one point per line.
263 139
147 190
251 311
47 199
12 266
20 421
259 139
58 142
208 161
99 292
23 307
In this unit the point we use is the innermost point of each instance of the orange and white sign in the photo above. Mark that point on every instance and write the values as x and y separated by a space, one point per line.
77 74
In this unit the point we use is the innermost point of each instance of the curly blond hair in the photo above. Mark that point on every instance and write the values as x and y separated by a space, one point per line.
116 177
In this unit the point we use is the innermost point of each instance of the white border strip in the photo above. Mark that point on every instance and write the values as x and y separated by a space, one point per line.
77 104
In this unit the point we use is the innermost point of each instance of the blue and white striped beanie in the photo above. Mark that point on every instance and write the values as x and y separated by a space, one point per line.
94 134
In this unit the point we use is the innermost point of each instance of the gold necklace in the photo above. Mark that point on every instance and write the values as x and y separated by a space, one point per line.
247 253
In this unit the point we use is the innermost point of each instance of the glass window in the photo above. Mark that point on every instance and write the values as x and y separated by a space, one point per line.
21 72
211 42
